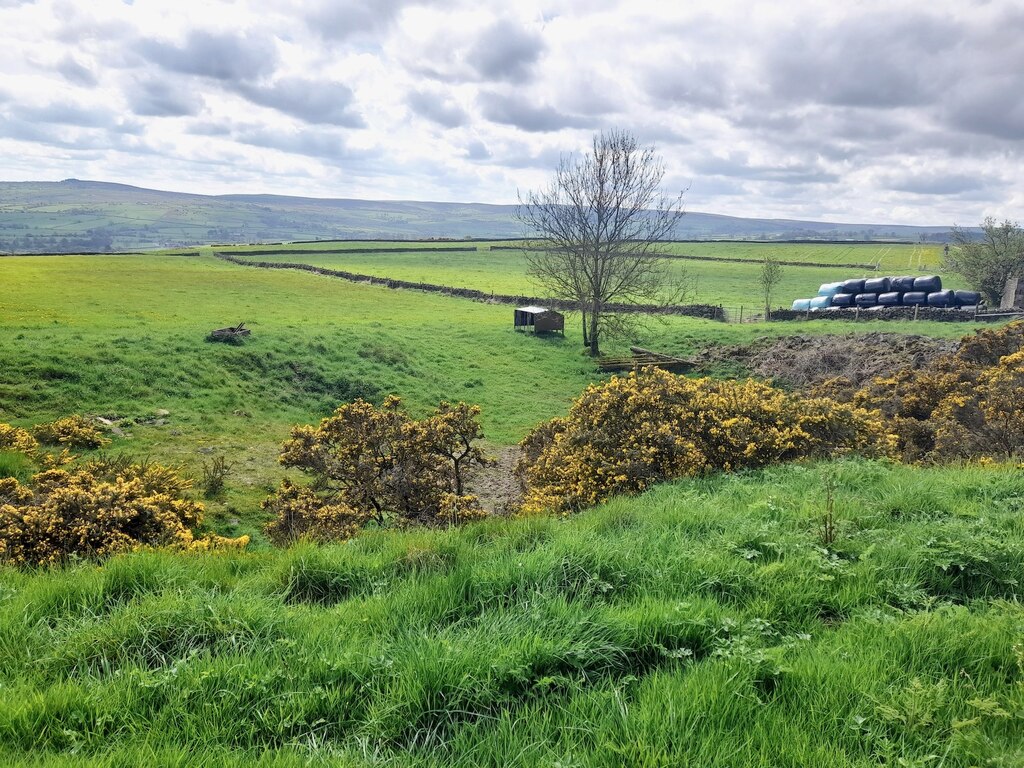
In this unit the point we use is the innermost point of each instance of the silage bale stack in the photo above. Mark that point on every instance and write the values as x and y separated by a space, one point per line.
886 292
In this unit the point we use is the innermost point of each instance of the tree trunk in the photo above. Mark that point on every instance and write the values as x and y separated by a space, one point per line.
586 337
594 348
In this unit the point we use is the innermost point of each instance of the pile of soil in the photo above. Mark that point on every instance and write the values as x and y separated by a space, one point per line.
804 361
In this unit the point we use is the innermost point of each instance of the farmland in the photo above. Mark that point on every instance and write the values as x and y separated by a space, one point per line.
713 273
710 621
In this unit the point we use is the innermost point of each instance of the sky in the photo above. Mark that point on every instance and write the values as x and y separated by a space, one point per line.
885 112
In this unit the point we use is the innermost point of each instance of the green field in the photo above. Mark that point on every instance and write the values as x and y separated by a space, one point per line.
712 282
703 624
123 336
708 623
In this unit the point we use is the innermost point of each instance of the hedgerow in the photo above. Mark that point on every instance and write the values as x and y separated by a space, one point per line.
630 432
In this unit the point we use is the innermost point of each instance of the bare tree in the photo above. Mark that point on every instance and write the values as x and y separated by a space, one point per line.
771 274
600 228
986 263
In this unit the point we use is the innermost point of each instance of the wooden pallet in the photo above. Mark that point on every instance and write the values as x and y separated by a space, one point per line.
642 358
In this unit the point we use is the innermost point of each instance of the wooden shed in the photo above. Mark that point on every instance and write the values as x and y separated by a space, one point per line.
539 319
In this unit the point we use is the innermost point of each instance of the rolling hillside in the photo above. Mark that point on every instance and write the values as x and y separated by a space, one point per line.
74 216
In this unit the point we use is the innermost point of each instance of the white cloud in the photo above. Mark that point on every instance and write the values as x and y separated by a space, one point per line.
875 111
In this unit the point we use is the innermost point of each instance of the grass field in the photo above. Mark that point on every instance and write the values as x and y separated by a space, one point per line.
712 282
712 622
124 336
706 623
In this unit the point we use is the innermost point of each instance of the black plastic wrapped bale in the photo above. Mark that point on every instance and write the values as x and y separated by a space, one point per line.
967 298
941 299
930 284
842 300
890 299
915 299
877 285
866 299
902 284
853 286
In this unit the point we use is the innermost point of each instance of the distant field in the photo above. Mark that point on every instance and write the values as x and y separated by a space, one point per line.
732 283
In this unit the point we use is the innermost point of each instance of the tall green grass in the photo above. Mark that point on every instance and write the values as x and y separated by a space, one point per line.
704 623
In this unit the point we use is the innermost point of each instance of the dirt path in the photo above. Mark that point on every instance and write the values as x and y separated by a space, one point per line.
497 486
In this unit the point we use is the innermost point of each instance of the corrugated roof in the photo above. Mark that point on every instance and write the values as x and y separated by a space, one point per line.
532 310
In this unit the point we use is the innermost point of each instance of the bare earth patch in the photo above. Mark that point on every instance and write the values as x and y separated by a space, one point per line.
497 487
803 361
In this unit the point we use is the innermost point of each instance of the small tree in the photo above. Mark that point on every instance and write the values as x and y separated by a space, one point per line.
769 277
988 262
600 226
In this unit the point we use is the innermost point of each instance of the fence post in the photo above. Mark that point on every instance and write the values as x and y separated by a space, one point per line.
741 313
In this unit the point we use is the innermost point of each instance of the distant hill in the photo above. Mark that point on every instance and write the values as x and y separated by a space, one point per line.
76 216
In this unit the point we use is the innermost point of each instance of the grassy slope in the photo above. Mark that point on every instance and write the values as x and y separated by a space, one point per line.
701 624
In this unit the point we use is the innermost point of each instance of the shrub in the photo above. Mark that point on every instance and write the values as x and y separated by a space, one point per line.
71 432
378 463
964 405
98 509
299 513
630 432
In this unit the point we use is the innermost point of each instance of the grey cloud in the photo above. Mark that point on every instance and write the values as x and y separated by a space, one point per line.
871 61
523 113
688 84
523 157
77 73
159 98
991 107
938 183
738 166
209 128
477 150
437 108
343 19
324 145
505 51
220 56
322 102
67 114
69 137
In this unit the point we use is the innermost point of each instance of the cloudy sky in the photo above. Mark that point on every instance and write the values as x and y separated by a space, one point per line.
886 111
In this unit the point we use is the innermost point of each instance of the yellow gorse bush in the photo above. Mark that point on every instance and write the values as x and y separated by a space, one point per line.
95 510
377 463
71 432
965 405
623 435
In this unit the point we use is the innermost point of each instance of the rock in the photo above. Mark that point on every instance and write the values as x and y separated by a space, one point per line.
161 412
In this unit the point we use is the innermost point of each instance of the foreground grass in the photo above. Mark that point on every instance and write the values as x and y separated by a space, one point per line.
706 623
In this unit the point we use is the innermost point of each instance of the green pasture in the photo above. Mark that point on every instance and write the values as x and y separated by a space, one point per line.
731 284
124 336
707 623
